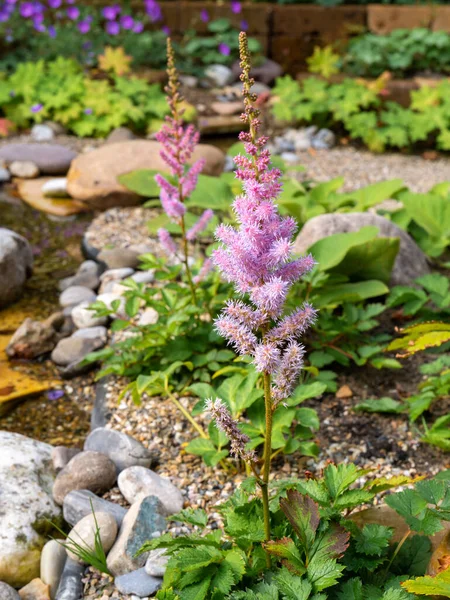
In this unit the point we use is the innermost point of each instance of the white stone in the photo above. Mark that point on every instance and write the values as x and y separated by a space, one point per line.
98 332
42 133
25 169
149 317
83 318
108 298
157 562
16 264
26 503
144 276
220 75
75 294
53 559
56 188
136 483
84 533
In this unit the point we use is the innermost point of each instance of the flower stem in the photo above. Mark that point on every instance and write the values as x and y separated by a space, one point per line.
267 459
185 412
186 261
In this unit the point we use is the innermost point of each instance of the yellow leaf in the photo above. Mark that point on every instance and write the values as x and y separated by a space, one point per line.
115 60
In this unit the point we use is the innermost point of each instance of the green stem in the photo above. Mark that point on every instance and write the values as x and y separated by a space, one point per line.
397 550
267 459
186 261
186 413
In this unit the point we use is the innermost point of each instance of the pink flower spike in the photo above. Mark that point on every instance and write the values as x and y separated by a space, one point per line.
166 241
266 358
206 268
200 226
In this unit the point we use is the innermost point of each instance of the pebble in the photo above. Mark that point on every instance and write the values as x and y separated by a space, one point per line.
289 157
61 456
79 503
25 169
149 317
118 258
87 276
83 533
139 583
7 592
324 139
84 318
108 298
120 134
143 276
42 133
5 175
98 332
121 448
220 75
86 471
143 520
157 562
73 349
75 294
51 159
53 559
71 584
137 482
189 81
35 590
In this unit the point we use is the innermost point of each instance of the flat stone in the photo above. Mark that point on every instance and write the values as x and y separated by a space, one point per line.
149 317
35 590
86 471
86 276
139 583
71 584
228 108
83 317
84 531
119 258
25 169
157 562
120 134
30 190
92 333
143 520
16 265
61 456
410 262
51 159
42 133
79 503
111 276
136 483
53 559
143 276
35 338
26 506
75 294
7 592
93 177
121 448
73 349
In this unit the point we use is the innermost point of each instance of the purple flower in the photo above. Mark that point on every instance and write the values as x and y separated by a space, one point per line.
166 241
202 223
204 15
236 7
165 29
112 27
55 394
224 49
86 45
84 26
4 16
127 22
88 111
138 27
51 31
225 422
54 3
153 10
38 18
73 13
11 2
26 10
110 12
36 108
244 25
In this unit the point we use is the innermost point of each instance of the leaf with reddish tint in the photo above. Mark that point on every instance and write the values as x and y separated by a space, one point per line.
288 552
303 515
6 127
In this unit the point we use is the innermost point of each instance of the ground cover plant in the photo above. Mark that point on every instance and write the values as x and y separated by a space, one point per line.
357 109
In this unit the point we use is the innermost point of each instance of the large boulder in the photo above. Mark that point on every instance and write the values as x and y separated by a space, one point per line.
410 262
93 176
26 506
51 159
16 264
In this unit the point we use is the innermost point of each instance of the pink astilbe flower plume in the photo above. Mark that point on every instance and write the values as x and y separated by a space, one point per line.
258 258
178 145
225 422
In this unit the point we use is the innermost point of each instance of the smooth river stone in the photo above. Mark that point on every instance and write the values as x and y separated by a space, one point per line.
121 448
53 559
51 159
139 583
71 584
136 483
84 533
79 503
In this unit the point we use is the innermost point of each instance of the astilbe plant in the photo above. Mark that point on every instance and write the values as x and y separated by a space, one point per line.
178 145
258 258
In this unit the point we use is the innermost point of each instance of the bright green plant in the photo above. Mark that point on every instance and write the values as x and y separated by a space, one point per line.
431 298
324 61
60 91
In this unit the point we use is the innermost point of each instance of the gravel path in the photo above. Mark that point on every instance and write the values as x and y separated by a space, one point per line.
360 168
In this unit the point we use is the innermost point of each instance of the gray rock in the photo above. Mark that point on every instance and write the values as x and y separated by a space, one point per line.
42 133
7 592
121 448
220 75
120 134
5 175
86 471
410 262
229 164
139 583
284 144
26 506
79 503
136 483
101 412
51 159
324 140
76 368
149 317
61 456
142 521
108 298
73 349
57 128
266 72
55 188
143 276
75 294
289 157
157 562
53 559
83 317
189 81
92 333
71 584
34 338
16 265
84 531
25 169
86 276
116 274
118 258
